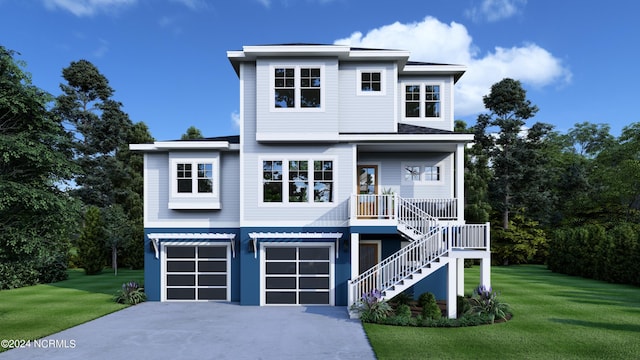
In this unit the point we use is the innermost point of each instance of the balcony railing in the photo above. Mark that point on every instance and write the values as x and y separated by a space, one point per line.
386 207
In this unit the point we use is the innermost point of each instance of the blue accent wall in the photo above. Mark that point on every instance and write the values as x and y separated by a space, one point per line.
435 283
152 265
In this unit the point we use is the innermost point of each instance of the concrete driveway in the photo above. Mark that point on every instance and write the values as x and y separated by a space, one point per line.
155 330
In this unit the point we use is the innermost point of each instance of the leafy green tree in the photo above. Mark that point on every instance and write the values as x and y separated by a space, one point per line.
476 180
523 242
110 175
36 217
193 133
506 149
91 249
117 232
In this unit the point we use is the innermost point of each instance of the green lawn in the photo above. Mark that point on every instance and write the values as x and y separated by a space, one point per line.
555 317
36 311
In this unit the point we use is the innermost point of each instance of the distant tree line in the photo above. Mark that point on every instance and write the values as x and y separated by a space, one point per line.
570 200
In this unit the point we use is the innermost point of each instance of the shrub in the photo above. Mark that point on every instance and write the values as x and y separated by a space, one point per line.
91 251
430 309
371 307
130 294
485 302
402 299
403 310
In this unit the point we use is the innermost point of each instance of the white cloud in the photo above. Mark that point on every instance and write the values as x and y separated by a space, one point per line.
265 3
235 117
192 4
433 41
87 7
494 10
102 49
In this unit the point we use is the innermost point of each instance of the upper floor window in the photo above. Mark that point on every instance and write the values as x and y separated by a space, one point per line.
300 177
199 181
297 87
432 101
422 101
194 180
432 173
285 94
370 81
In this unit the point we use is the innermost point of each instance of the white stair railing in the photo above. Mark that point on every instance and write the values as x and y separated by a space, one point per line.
427 246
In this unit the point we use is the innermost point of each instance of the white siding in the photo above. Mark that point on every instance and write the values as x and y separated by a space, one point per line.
157 194
367 113
296 124
391 173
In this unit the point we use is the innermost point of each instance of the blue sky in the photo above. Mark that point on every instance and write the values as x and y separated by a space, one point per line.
166 59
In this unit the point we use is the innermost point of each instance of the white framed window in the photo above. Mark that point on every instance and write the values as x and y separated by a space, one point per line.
297 181
370 82
194 182
422 100
421 173
297 87
432 173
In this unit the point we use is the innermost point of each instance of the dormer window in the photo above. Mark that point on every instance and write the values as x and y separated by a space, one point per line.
297 87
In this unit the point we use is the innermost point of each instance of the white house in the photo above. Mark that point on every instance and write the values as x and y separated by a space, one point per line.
346 177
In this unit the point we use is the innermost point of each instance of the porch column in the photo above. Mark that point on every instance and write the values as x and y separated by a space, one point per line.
459 184
485 272
452 300
355 255
460 263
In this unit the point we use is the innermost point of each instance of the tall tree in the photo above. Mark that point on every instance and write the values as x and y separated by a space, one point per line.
193 133
110 174
36 217
476 181
509 108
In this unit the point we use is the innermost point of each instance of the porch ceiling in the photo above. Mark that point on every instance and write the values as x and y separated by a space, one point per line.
407 147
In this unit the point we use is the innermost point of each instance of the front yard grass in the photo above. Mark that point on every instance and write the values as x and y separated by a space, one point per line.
555 317
36 311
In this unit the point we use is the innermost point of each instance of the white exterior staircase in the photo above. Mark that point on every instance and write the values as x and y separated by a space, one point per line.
410 264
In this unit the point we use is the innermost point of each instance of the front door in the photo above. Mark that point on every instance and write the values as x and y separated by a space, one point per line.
367 191
368 256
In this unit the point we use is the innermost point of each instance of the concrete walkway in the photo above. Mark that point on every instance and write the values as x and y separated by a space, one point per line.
155 330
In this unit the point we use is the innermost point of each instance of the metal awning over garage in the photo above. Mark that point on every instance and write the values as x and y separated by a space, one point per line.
204 237
291 236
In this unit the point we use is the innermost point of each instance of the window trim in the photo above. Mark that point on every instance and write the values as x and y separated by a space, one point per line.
422 100
194 162
297 87
383 88
285 181
193 200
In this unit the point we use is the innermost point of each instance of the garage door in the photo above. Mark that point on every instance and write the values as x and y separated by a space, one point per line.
297 274
196 272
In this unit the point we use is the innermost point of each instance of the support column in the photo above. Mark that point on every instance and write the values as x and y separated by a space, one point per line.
452 300
355 255
460 263
459 180
485 272
355 268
